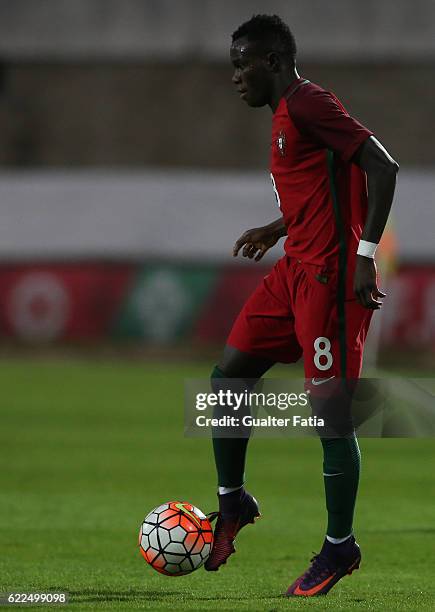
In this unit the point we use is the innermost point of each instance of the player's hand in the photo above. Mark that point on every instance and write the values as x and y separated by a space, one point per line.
256 242
365 283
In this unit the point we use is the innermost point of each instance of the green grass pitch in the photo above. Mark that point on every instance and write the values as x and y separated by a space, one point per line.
87 449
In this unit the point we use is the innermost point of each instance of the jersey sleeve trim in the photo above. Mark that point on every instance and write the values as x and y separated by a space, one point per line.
355 145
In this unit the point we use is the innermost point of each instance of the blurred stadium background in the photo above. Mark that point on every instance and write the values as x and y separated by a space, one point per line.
129 166
128 169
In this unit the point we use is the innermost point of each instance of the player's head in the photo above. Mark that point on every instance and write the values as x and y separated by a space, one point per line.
262 49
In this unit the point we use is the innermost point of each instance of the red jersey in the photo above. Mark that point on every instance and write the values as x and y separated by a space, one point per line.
322 195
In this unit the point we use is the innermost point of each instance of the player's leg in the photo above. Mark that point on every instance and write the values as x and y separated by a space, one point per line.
237 371
333 334
340 554
341 455
262 334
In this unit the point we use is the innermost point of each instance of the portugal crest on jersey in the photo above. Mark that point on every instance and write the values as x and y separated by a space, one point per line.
281 143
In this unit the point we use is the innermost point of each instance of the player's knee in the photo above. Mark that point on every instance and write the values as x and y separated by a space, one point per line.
334 410
222 380
216 378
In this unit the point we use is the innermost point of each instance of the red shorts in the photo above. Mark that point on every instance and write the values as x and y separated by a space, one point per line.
300 310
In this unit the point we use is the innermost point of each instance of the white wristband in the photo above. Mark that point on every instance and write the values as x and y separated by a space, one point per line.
367 249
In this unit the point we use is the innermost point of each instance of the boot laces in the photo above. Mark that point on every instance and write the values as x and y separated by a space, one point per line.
223 534
319 569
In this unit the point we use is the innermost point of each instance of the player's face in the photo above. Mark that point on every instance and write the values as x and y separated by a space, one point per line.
252 76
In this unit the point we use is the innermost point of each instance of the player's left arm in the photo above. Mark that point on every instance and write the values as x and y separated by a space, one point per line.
381 170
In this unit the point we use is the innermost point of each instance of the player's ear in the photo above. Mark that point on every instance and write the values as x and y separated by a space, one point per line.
273 61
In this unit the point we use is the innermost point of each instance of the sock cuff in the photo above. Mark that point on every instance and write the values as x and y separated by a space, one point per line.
226 490
338 540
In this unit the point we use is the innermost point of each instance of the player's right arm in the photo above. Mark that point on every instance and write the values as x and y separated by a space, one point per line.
381 170
320 115
257 241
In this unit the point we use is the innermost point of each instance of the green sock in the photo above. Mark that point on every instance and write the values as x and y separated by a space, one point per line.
229 453
341 468
229 456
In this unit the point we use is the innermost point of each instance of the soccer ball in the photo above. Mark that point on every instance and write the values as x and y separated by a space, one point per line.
175 538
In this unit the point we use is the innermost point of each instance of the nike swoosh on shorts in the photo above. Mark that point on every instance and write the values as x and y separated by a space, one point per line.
320 381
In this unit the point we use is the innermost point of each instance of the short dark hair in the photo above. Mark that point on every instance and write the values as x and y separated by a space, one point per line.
271 31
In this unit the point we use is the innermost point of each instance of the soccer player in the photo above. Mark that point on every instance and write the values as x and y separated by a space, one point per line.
334 184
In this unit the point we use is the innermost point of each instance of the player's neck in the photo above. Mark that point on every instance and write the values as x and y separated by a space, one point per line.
283 82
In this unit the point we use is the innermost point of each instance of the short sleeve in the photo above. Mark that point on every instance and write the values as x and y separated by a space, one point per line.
319 115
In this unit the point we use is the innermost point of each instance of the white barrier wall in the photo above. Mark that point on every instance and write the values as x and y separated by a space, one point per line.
171 215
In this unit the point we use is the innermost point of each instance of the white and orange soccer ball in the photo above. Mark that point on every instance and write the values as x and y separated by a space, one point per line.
175 538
